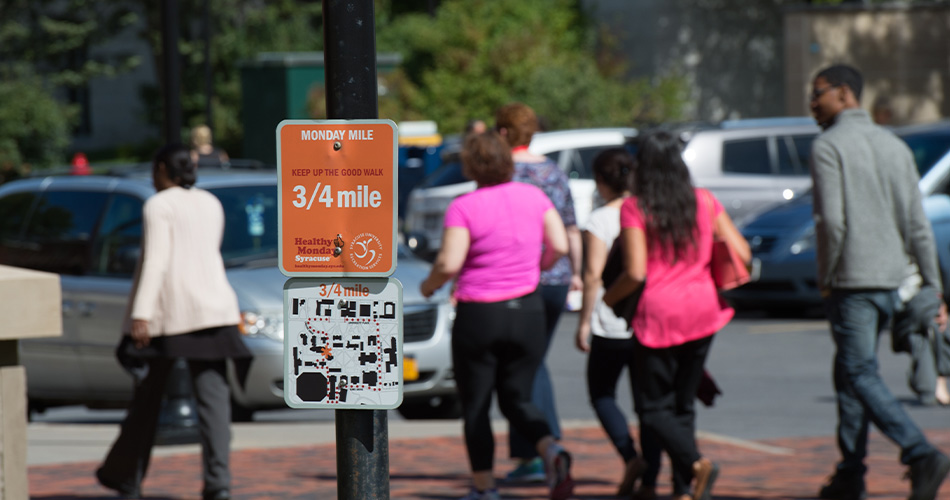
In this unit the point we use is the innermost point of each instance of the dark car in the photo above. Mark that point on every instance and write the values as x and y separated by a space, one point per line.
783 238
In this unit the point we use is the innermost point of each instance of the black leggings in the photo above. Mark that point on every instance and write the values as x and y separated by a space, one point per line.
497 347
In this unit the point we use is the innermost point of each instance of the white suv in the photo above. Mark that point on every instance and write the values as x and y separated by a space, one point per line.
572 150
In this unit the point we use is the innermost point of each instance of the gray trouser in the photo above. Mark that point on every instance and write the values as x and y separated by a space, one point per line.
915 332
930 357
128 459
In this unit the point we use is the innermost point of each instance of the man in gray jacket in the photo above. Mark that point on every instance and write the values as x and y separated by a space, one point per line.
869 222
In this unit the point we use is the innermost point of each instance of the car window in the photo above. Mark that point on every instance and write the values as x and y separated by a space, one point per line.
60 231
13 212
118 242
927 149
788 163
793 153
581 161
803 147
447 174
573 164
746 156
250 222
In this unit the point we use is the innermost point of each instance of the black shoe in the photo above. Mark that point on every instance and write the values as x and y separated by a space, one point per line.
842 486
926 474
222 494
124 491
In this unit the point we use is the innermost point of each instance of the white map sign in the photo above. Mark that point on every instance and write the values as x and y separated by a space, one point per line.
343 343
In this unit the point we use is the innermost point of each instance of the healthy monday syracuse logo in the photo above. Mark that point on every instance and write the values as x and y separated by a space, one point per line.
367 251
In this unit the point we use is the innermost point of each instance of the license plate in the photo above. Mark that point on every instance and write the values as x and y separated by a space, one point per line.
410 369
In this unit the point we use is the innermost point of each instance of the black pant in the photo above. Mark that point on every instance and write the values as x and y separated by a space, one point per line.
128 459
668 379
497 347
542 392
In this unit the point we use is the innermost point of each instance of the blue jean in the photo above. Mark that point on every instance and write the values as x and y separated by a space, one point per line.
542 392
857 318
605 364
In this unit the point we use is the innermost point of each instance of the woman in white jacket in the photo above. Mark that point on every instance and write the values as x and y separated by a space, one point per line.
182 307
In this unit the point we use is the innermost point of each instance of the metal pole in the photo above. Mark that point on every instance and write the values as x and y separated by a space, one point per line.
209 83
350 59
362 454
172 74
178 422
349 27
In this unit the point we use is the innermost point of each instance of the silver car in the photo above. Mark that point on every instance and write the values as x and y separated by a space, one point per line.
751 165
88 230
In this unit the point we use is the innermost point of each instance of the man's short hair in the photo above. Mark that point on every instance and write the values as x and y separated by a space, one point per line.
842 74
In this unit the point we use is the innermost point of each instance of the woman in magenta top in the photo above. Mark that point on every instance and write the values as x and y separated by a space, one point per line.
495 243
667 229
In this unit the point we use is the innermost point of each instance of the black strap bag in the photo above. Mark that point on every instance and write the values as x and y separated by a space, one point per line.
627 306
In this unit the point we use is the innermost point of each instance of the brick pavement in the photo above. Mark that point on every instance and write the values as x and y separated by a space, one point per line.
436 468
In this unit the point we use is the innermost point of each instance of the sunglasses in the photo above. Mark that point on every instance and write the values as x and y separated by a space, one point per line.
816 93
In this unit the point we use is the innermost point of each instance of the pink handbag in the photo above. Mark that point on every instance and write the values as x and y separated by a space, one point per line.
728 270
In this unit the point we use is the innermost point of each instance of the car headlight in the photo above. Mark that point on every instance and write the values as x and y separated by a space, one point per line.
269 325
451 316
805 242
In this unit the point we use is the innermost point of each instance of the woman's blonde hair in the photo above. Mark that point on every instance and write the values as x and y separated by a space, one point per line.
200 136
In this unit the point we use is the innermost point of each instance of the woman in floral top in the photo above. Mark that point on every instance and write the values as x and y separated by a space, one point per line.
517 123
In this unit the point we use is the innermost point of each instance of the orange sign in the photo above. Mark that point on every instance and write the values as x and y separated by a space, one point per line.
337 185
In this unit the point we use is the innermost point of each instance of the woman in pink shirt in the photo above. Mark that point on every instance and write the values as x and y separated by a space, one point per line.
496 241
667 229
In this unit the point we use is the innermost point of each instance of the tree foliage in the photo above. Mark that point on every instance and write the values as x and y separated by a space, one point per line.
462 59
34 127
475 55
240 30
45 52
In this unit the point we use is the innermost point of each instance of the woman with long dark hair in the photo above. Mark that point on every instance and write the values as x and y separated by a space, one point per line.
667 229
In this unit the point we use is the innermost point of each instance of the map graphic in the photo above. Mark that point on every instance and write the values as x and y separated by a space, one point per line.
343 343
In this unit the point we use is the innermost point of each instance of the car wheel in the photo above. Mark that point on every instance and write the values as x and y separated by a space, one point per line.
434 408
241 413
